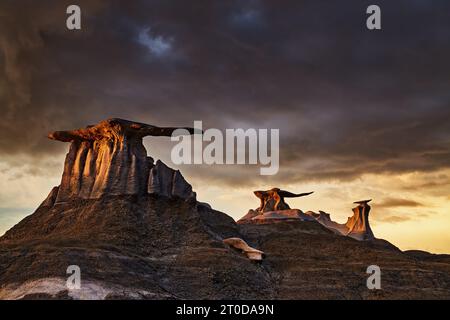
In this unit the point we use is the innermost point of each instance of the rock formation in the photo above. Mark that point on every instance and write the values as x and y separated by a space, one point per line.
137 232
273 199
238 243
274 209
325 219
110 158
356 227
168 182
274 216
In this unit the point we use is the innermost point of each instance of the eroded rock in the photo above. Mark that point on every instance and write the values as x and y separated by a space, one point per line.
273 199
51 198
168 182
110 158
274 216
238 243
357 226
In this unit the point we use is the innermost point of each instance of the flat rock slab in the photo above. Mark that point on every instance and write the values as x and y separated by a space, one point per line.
281 215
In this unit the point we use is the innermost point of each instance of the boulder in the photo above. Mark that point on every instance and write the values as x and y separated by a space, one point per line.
238 243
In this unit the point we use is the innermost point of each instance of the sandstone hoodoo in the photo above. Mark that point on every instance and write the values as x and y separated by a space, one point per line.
135 230
273 199
110 159
238 243
356 227
273 208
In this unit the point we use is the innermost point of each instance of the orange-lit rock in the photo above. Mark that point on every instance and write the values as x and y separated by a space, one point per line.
356 227
274 216
274 209
273 199
110 158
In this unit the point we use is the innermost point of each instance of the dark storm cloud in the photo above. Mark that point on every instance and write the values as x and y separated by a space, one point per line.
347 100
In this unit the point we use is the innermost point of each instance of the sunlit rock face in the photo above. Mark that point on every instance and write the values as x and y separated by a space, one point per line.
275 216
274 209
110 158
325 219
162 245
356 227
273 199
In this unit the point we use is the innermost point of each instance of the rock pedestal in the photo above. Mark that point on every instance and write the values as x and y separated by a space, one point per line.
358 226
110 159
274 209
273 199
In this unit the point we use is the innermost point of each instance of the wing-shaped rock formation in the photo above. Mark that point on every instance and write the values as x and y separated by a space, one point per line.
110 158
274 209
273 199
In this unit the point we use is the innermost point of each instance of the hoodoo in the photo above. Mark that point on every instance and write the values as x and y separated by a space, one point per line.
136 231
358 226
273 209
273 199
133 227
110 158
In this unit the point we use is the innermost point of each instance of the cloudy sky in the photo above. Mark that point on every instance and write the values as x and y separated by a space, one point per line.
362 114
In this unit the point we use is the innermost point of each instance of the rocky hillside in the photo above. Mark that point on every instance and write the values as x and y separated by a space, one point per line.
158 248
155 241
146 247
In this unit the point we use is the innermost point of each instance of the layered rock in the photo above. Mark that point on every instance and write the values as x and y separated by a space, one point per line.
274 216
358 225
168 182
325 219
273 199
51 198
110 158
274 209
148 242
